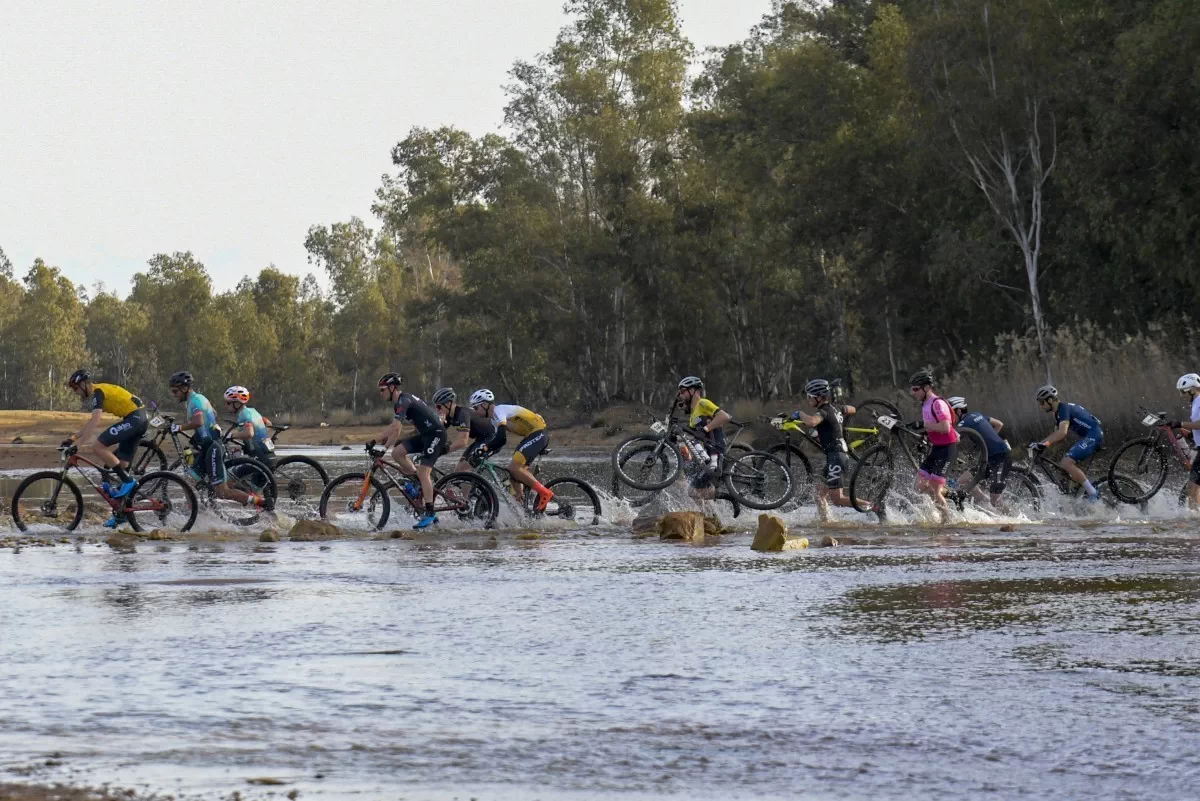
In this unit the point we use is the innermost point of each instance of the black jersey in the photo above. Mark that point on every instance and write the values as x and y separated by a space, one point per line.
480 428
414 410
829 430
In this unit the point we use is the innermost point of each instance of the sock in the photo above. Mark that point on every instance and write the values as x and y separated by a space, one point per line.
539 488
121 474
429 508
1088 488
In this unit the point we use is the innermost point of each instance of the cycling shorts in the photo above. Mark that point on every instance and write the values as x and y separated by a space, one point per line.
426 448
1084 448
938 462
997 472
1194 474
126 434
531 447
836 463
211 462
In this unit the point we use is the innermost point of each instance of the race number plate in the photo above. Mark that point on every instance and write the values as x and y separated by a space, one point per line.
887 422
156 421
659 428
1150 420
270 446
777 422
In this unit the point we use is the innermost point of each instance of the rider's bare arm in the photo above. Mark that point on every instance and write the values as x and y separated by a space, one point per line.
390 435
719 419
91 425
810 420
1059 434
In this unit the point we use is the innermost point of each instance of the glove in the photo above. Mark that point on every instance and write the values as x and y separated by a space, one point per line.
1172 424
796 415
67 443
1037 447
175 428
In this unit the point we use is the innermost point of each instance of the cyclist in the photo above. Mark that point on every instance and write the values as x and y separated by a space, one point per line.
827 422
427 444
468 427
943 441
998 450
708 419
535 439
1079 421
1189 385
201 419
251 428
116 445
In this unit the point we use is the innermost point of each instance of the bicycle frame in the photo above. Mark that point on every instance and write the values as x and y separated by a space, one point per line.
805 434
73 460
1059 477
1161 432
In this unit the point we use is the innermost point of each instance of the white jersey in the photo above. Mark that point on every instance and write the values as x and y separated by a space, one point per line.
1196 419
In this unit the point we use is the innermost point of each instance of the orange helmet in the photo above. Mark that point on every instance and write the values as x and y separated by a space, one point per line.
237 394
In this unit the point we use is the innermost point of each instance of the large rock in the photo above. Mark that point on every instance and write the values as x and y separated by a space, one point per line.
270 535
772 536
310 530
686 526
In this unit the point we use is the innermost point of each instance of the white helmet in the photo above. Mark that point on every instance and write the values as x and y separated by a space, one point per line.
957 403
1186 382
237 393
482 396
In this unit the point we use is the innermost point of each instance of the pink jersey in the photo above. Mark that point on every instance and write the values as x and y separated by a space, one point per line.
935 410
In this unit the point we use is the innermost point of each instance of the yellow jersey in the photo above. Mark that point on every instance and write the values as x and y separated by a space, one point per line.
705 410
115 400
518 419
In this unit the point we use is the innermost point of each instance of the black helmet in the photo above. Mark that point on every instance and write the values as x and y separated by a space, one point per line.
390 380
921 378
181 379
79 376
444 397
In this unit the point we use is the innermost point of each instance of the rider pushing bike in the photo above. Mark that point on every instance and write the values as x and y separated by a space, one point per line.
827 422
1073 418
1189 386
943 439
999 458
705 417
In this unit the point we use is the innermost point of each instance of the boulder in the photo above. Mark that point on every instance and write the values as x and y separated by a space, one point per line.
122 542
712 526
310 530
685 526
1008 528
829 542
159 534
772 536
18 441
270 535
528 535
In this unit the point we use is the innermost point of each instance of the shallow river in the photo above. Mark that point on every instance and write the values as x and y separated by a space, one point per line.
1057 661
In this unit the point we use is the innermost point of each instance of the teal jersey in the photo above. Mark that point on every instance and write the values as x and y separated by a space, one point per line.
208 431
251 416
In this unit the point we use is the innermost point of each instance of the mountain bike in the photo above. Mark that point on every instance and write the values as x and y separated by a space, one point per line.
300 479
51 498
1147 459
654 460
875 473
360 499
574 499
1107 486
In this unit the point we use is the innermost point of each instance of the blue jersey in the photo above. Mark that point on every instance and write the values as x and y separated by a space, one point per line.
207 432
1080 421
996 446
251 416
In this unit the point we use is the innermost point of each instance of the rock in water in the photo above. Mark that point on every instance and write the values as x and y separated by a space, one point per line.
645 525
270 535
309 530
17 441
159 534
829 542
686 526
712 526
772 536
121 541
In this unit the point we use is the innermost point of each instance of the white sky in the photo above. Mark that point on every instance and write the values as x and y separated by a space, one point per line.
228 128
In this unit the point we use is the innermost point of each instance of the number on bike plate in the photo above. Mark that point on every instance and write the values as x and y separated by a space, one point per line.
659 427
270 446
777 422
1150 420
887 422
156 422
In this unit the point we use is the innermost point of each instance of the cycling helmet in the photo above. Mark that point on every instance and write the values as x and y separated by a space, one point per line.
691 382
236 393
181 379
958 403
921 378
1186 382
444 397
818 387
1046 393
482 396
83 374
390 380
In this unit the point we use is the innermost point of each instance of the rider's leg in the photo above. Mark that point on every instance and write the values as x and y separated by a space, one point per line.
1070 462
1193 485
522 457
214 466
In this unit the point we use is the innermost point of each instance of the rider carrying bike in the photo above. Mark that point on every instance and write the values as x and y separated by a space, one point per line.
427 444
827 422
1079 421
201 418
251 428
536 438
1189 385
999 458
116 445
468 427
708 420
943 441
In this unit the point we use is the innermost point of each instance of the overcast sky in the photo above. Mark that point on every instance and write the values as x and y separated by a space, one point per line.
228 128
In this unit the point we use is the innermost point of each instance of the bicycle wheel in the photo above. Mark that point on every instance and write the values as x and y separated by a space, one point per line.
47 499
148 459
759 480
871 479
300 480
350 502
861 430
1113 491
970 461
1145 464
1023 490
574 499
243 474
649 471
470 497
161 500
636 497
801 470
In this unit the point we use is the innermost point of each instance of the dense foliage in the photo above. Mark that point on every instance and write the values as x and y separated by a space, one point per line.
857 189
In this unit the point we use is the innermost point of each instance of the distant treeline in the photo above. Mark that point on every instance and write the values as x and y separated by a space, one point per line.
857 189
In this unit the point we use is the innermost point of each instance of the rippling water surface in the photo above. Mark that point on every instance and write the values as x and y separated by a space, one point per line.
1051 662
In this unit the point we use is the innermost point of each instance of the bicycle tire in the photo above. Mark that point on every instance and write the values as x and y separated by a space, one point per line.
591 504
1148 469
758 472
1113 495
971 460
297 479
157 483
379 505
1182 500
801 470
644 481
635 497
480 504
1026 484
149 458
21 518
870 410
871 478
